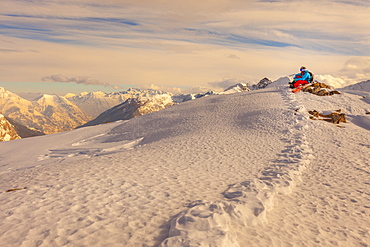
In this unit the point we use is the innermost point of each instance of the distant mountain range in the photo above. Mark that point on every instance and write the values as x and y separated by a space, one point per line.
150 101
95 103
47 114
50 114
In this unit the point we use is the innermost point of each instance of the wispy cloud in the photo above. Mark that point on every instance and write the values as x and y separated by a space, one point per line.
9 50
78 80
354 70
357 68
271 23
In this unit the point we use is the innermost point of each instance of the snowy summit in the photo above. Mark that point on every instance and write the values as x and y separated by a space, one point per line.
250 168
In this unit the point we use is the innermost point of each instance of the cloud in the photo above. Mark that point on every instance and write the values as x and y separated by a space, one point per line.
357 67
354 70
15 51
174 90
78 80
233 56
231 23
9 50
336 82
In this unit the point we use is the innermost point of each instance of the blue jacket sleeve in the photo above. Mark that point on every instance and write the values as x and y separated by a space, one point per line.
306 76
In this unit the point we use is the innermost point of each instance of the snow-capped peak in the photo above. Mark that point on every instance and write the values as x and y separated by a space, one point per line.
70 95
240 87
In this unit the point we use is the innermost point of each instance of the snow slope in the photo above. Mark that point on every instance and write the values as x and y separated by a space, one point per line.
361 88
243 169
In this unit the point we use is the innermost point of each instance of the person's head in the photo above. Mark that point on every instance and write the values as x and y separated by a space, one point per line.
302 69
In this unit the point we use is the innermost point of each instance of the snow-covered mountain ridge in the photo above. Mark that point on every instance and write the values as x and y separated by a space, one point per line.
61 113
95 103
53 114
133 107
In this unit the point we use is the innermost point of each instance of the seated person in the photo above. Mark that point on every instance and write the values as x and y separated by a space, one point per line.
302 78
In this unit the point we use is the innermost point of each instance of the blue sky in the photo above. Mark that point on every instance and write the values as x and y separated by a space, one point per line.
180 44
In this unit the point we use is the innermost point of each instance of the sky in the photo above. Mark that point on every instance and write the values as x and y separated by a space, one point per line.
83 45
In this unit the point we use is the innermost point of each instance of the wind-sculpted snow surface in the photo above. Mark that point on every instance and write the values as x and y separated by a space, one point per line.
245 203
63 147
243 169
94 146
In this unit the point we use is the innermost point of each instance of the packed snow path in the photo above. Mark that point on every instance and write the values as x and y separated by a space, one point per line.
203 155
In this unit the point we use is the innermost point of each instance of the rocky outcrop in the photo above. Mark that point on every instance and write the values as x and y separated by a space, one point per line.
320 89
11 130
7 130
262 84
334 117
243 87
